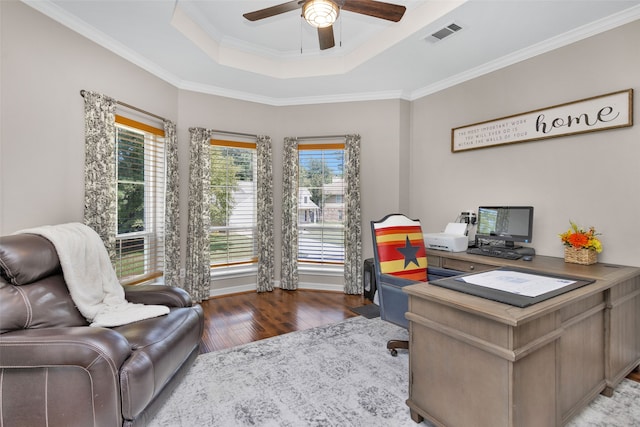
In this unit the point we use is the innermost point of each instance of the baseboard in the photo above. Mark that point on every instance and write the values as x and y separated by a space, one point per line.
252 287
232 290
320 287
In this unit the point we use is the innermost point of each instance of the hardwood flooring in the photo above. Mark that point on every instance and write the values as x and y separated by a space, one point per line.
237 319
635 375
245 317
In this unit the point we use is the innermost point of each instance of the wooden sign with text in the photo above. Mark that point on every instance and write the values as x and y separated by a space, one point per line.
614 110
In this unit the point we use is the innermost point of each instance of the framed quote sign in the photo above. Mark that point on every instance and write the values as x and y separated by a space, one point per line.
613 110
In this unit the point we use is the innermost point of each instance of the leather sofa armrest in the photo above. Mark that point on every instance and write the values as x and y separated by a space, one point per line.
170 296
84 347
78 366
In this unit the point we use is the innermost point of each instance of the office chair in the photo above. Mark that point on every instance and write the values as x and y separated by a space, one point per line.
400 259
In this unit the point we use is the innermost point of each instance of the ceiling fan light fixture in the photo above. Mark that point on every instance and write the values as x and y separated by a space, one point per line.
320 13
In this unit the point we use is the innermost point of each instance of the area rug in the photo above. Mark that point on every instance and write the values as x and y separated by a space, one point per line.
336 375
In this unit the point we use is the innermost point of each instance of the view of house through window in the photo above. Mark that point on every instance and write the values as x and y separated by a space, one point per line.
233 203
140 171
321 203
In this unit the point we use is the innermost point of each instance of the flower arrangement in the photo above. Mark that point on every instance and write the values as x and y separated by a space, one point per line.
578 238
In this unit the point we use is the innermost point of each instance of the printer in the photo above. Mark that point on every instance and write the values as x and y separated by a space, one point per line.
453 239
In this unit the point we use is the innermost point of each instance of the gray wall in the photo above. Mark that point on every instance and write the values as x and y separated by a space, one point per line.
407 165
44 67
592 179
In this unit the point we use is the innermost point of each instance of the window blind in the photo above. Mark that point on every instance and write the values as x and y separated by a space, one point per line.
140 169
321 203
233 203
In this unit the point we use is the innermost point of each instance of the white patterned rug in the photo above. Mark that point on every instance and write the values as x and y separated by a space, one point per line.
336 375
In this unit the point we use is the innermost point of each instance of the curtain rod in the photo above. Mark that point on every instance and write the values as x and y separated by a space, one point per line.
224 132
82 92
321 137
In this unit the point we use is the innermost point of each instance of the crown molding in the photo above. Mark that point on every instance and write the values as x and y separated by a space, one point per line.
284 102
56 13
549 45
61 16
288 66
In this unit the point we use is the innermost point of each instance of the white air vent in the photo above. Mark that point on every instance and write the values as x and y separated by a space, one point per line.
445 32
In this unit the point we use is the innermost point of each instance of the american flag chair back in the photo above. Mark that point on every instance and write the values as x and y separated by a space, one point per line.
400 259
399 247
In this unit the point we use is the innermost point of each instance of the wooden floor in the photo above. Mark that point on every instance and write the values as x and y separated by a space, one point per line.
635 375
242 318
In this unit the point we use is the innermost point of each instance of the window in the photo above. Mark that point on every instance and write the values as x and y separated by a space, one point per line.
233 203
140 171
321 204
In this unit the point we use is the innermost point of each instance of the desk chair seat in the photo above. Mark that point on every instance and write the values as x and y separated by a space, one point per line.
400 259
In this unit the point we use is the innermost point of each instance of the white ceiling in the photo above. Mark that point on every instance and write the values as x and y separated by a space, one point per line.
207 46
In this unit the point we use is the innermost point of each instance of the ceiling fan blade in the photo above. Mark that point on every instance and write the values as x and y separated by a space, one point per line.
325 36
273 10
377 9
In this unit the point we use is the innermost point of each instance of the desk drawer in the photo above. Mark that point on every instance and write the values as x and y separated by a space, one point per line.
434 260
454 264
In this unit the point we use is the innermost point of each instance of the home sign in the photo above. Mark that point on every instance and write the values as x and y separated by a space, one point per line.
613 110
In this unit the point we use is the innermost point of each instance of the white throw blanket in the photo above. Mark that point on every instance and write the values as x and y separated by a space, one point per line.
90 277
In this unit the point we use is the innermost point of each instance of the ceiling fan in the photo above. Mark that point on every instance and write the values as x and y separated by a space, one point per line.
323 13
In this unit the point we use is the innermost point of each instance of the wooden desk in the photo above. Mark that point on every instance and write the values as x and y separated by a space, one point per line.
476 362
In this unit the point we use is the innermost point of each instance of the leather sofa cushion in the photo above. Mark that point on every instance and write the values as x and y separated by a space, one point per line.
45 303
18 269
160 346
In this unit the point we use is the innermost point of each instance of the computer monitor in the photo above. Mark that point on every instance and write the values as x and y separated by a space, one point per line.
507 223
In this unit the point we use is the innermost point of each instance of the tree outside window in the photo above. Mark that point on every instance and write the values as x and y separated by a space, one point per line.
140 174
130 169
233 203
321 205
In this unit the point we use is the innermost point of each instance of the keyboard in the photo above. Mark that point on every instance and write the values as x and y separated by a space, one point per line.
494 252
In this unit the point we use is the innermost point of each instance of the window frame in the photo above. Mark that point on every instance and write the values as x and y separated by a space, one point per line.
154 199
322 266
238 267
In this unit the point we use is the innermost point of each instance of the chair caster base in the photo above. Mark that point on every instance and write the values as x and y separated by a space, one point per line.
394 345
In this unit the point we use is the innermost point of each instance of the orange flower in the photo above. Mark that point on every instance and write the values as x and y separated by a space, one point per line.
578 240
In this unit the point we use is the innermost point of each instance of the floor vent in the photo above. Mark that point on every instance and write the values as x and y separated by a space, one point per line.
446 31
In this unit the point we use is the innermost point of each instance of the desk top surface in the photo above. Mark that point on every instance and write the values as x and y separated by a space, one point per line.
605 275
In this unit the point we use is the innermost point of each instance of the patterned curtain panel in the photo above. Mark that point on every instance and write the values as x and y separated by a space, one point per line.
264 205
197 280
289 273
100 168
352 221
172 208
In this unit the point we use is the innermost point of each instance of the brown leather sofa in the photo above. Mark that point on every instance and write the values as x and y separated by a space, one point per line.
55 370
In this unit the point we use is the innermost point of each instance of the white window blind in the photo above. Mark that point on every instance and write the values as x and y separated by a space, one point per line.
140 166
233 203
321 203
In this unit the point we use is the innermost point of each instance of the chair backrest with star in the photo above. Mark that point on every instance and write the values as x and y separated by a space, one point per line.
399 247
400 260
